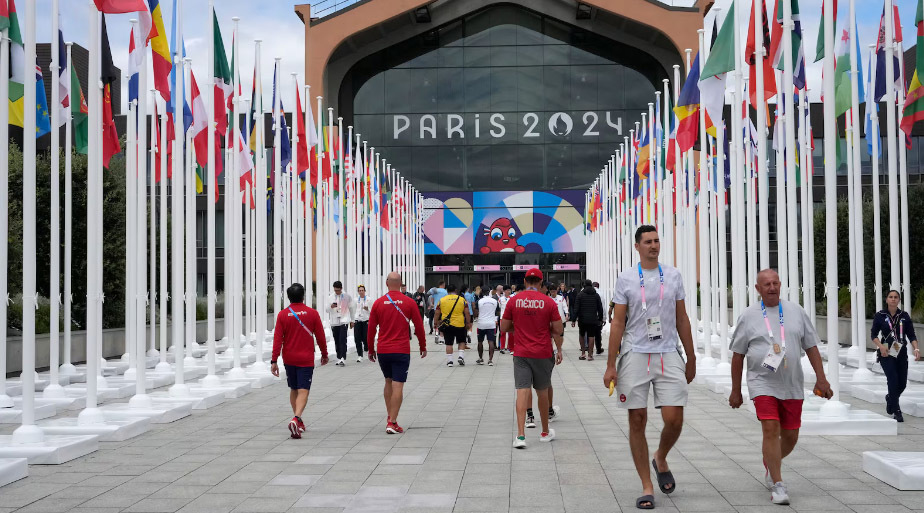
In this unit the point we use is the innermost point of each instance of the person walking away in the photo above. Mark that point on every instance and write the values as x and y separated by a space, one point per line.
892 330
562 303
535 317
389 318
648 322
360 322
438 294
772 335
471 299
298 327
454 321
487 311
588 311
502 304
338 311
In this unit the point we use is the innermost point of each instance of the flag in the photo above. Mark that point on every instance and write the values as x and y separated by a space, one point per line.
79 112
145 22
108 74
224 90
17 65
160 51
305 139
642 167
913 110
722 56
42 117
200 135
749 52
246 163
134 61
279 117
4 16
842 86
820 42
880 55
177 91
776 46
155 146
687 109
255 106
64 81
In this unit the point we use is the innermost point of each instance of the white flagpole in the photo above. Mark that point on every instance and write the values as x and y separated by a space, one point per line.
131 166
309 213
67 368
260 245
152 235
5 400
736 207
808 299
233 260
790 220
894 147
139 161
162 366
341 225
877 235
178 222
28 432
907 300
54 388
762 175
781 241
278 278
211 189
704 264
191 229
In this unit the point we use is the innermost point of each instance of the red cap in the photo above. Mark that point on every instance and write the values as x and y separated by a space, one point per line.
534 273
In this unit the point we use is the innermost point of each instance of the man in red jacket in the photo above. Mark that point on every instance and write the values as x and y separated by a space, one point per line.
297 327
391 315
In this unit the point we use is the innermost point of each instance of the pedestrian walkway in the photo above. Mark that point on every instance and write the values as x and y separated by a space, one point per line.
456 454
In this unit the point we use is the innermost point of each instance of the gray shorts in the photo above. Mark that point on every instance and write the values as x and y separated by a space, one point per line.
532 372
638 372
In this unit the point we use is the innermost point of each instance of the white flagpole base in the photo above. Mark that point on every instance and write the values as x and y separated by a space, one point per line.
52 450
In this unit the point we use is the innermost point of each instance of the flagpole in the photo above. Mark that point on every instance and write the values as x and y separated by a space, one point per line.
874 135
233 239
5 400
348 226
903 193
131 174
808 299
297 213
211 188
177 296
54 388
782 262
162 366
260 246
762 174
792 267
67 368
278 283
894 147
140 399
309 213
833 407
150 194
191 236
703 221
341 225
737 209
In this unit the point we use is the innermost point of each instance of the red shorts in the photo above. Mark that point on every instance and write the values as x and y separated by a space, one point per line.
787 411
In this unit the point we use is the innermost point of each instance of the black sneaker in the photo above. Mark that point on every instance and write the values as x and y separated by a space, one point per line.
461 362
898 416
600 351
530 422
479 361
449 363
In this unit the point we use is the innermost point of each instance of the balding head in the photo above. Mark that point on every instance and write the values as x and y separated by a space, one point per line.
768 286
393 281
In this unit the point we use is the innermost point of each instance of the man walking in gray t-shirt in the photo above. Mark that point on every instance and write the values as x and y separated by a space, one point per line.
772 335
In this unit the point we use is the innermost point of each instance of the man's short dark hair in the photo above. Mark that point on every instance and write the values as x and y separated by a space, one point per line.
441 283
535 281
338 285
588 283
643 229
451 288
296 293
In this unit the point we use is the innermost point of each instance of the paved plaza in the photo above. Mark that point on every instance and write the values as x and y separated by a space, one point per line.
456 454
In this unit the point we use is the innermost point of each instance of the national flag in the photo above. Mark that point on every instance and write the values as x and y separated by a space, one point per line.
687 109
224 90
870 107
145 22
134 62
79 113
305 139
42 117
842 86
200 135
671 162
880 90
279 117
4 16
776 47
256 105
64 80
160 51
155 145
177 92
17 67
246 163
643 166
913 110
108 75
820 42
749 52
722 56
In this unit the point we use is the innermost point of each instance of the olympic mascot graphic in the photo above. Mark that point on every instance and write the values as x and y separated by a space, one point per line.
501 238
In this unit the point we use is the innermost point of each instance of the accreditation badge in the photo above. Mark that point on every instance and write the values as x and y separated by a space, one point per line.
773 360
654 329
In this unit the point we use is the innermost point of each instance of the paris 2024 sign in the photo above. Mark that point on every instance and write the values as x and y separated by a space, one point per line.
503 222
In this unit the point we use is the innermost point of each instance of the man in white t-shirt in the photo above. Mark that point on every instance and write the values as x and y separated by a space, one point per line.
559 296
772 336
649 321
502 304
486 311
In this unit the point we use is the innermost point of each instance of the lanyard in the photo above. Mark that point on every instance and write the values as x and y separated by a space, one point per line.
300 322
396 307
641 284
763 310
901 327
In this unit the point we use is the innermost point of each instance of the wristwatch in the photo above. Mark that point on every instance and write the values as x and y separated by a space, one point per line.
273 362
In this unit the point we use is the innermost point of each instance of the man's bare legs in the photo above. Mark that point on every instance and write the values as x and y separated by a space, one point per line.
543 396
394 396
298 399
778 443
638 420
673 425
524 401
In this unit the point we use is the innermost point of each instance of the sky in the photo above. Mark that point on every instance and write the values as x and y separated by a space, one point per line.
275 22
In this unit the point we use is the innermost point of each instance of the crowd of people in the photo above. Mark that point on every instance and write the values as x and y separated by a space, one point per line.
650 357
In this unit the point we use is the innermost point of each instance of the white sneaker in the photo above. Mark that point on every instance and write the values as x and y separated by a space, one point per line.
556 411
778 494
359 359
519 443
548 437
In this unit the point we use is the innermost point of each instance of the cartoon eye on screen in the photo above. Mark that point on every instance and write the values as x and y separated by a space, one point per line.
501 238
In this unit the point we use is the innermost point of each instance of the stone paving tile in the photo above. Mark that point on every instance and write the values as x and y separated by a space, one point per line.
455 456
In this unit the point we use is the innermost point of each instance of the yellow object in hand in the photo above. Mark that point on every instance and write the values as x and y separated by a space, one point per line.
612 387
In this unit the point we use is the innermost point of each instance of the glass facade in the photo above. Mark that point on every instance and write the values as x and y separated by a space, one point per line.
502 99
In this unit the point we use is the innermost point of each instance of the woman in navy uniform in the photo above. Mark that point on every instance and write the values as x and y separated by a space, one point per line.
892 330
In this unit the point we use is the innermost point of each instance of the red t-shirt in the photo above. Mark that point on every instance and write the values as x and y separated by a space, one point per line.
295 343
532 313
394 334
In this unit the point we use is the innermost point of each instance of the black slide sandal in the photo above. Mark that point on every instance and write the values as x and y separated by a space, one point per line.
645 498
664 479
